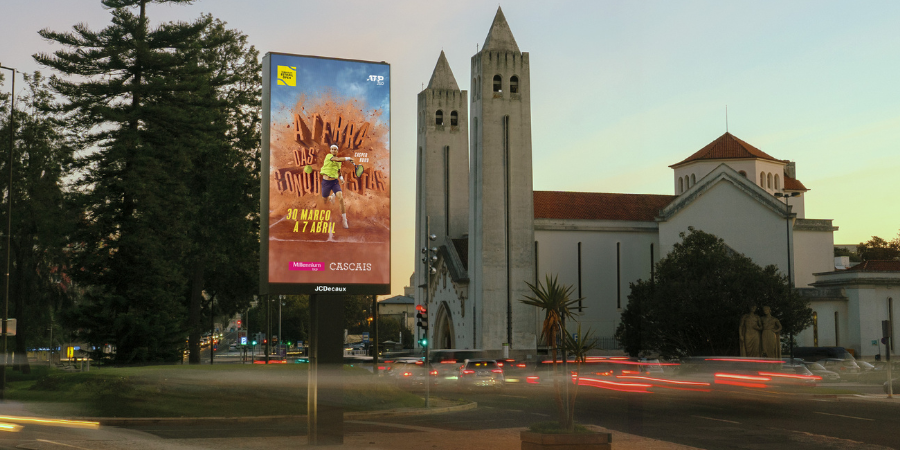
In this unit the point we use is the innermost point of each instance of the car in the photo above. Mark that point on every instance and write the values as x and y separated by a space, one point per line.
480 373
895 387
846 368
819 370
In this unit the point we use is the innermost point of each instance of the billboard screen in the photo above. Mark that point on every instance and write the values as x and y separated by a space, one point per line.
325 203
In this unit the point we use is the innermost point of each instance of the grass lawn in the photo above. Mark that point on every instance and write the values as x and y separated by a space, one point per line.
231 390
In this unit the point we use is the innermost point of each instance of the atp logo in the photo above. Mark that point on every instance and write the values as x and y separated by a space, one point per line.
378 79
287 76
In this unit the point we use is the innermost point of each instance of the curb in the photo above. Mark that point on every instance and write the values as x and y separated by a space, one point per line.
144 421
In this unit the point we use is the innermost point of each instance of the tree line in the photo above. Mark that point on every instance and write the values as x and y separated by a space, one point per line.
135 185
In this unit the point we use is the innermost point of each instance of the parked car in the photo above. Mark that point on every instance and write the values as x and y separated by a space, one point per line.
480 373
819 370
817 353
847 369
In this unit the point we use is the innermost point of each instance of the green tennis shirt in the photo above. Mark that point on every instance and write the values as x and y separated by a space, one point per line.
331 168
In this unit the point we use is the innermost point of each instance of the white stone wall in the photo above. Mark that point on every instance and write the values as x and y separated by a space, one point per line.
604 300
826 325
746 225
813 253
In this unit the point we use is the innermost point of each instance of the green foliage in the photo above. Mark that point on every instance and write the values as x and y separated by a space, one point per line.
879 249
167 185
42 219
694 303
554 299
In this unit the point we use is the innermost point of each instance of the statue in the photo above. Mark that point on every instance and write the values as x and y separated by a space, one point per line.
771 339
749 333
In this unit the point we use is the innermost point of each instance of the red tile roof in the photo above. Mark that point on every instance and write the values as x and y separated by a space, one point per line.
598 206
793 184
727 147
876 266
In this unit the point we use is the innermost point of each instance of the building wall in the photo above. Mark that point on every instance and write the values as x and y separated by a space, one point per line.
605 287
813 250
746 225
826 325
501 231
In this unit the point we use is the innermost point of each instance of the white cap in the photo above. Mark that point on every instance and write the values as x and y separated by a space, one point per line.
334 146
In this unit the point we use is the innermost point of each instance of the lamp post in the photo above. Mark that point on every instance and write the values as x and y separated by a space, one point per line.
12 134
787 214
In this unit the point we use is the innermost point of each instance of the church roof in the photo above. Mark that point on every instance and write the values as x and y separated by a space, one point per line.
875 266
462 249
399 299
727 146
793 184
500 37
442 77
598 205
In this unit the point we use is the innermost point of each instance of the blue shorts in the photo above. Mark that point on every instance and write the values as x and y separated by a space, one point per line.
329 186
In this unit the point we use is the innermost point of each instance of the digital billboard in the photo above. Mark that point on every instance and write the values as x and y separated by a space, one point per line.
325 212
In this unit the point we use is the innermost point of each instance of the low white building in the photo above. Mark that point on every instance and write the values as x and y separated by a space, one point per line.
850 305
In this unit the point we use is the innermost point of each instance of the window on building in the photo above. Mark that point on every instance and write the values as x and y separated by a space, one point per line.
680 185
580 295
454 119
497 83
693 179
513 84
439 117
777 182
618 275
769 179
762 180
744 174
474 88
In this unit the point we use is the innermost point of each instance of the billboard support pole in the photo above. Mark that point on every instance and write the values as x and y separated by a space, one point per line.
325 412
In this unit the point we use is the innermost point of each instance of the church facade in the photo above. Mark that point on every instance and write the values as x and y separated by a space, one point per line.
494 233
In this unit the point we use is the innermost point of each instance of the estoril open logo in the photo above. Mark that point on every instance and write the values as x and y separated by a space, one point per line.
287 76
378 79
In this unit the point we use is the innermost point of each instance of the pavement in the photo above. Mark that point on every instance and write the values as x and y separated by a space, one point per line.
363 430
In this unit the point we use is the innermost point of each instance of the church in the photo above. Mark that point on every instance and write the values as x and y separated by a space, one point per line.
493 232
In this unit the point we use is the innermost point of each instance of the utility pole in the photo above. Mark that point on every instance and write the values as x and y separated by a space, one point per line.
12 135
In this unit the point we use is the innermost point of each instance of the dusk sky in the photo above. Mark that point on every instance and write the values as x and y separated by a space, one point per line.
620 89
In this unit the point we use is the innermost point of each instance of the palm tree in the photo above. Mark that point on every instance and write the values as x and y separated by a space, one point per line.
554 299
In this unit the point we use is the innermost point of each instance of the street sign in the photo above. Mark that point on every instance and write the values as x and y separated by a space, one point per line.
365 336
243 340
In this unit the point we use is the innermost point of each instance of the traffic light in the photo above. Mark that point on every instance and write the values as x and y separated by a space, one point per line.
239 323
423 342
422 316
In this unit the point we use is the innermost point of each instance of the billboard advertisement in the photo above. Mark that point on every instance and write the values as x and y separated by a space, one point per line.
325 213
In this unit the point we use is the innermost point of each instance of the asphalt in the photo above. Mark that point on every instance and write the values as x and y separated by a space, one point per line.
374 433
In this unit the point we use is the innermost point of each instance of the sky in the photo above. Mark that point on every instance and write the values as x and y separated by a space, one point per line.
625 88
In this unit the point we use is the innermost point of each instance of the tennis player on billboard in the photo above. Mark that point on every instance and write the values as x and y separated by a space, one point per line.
329 167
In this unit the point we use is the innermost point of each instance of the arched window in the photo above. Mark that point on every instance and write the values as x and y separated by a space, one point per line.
762 180
513 84
474 88
769 179
680 185
744 174
454 119
693 179
777 182
439 117
497 86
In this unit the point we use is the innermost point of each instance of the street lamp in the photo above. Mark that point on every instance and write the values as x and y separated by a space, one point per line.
787 214
12 134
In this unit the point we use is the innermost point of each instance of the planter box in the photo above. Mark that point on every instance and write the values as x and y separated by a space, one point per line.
581 441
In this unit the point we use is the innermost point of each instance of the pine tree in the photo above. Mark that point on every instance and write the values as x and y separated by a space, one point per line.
125 97
41 221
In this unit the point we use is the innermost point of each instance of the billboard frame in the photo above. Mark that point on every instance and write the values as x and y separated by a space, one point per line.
270 288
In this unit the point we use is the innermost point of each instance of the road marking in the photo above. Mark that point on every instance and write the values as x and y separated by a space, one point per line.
512 396
841 415
718 420
539 414
395 425
60 443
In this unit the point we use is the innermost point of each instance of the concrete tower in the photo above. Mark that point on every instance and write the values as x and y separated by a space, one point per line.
442 170
501 231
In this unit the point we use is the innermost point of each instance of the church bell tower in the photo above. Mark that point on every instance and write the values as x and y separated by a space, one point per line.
501 221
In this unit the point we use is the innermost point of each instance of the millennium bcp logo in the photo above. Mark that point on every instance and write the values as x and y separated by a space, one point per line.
287 76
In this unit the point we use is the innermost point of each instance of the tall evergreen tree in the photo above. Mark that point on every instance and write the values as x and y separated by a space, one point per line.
126 84
41 222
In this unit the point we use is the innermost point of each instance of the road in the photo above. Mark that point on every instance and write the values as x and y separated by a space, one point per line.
736 419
